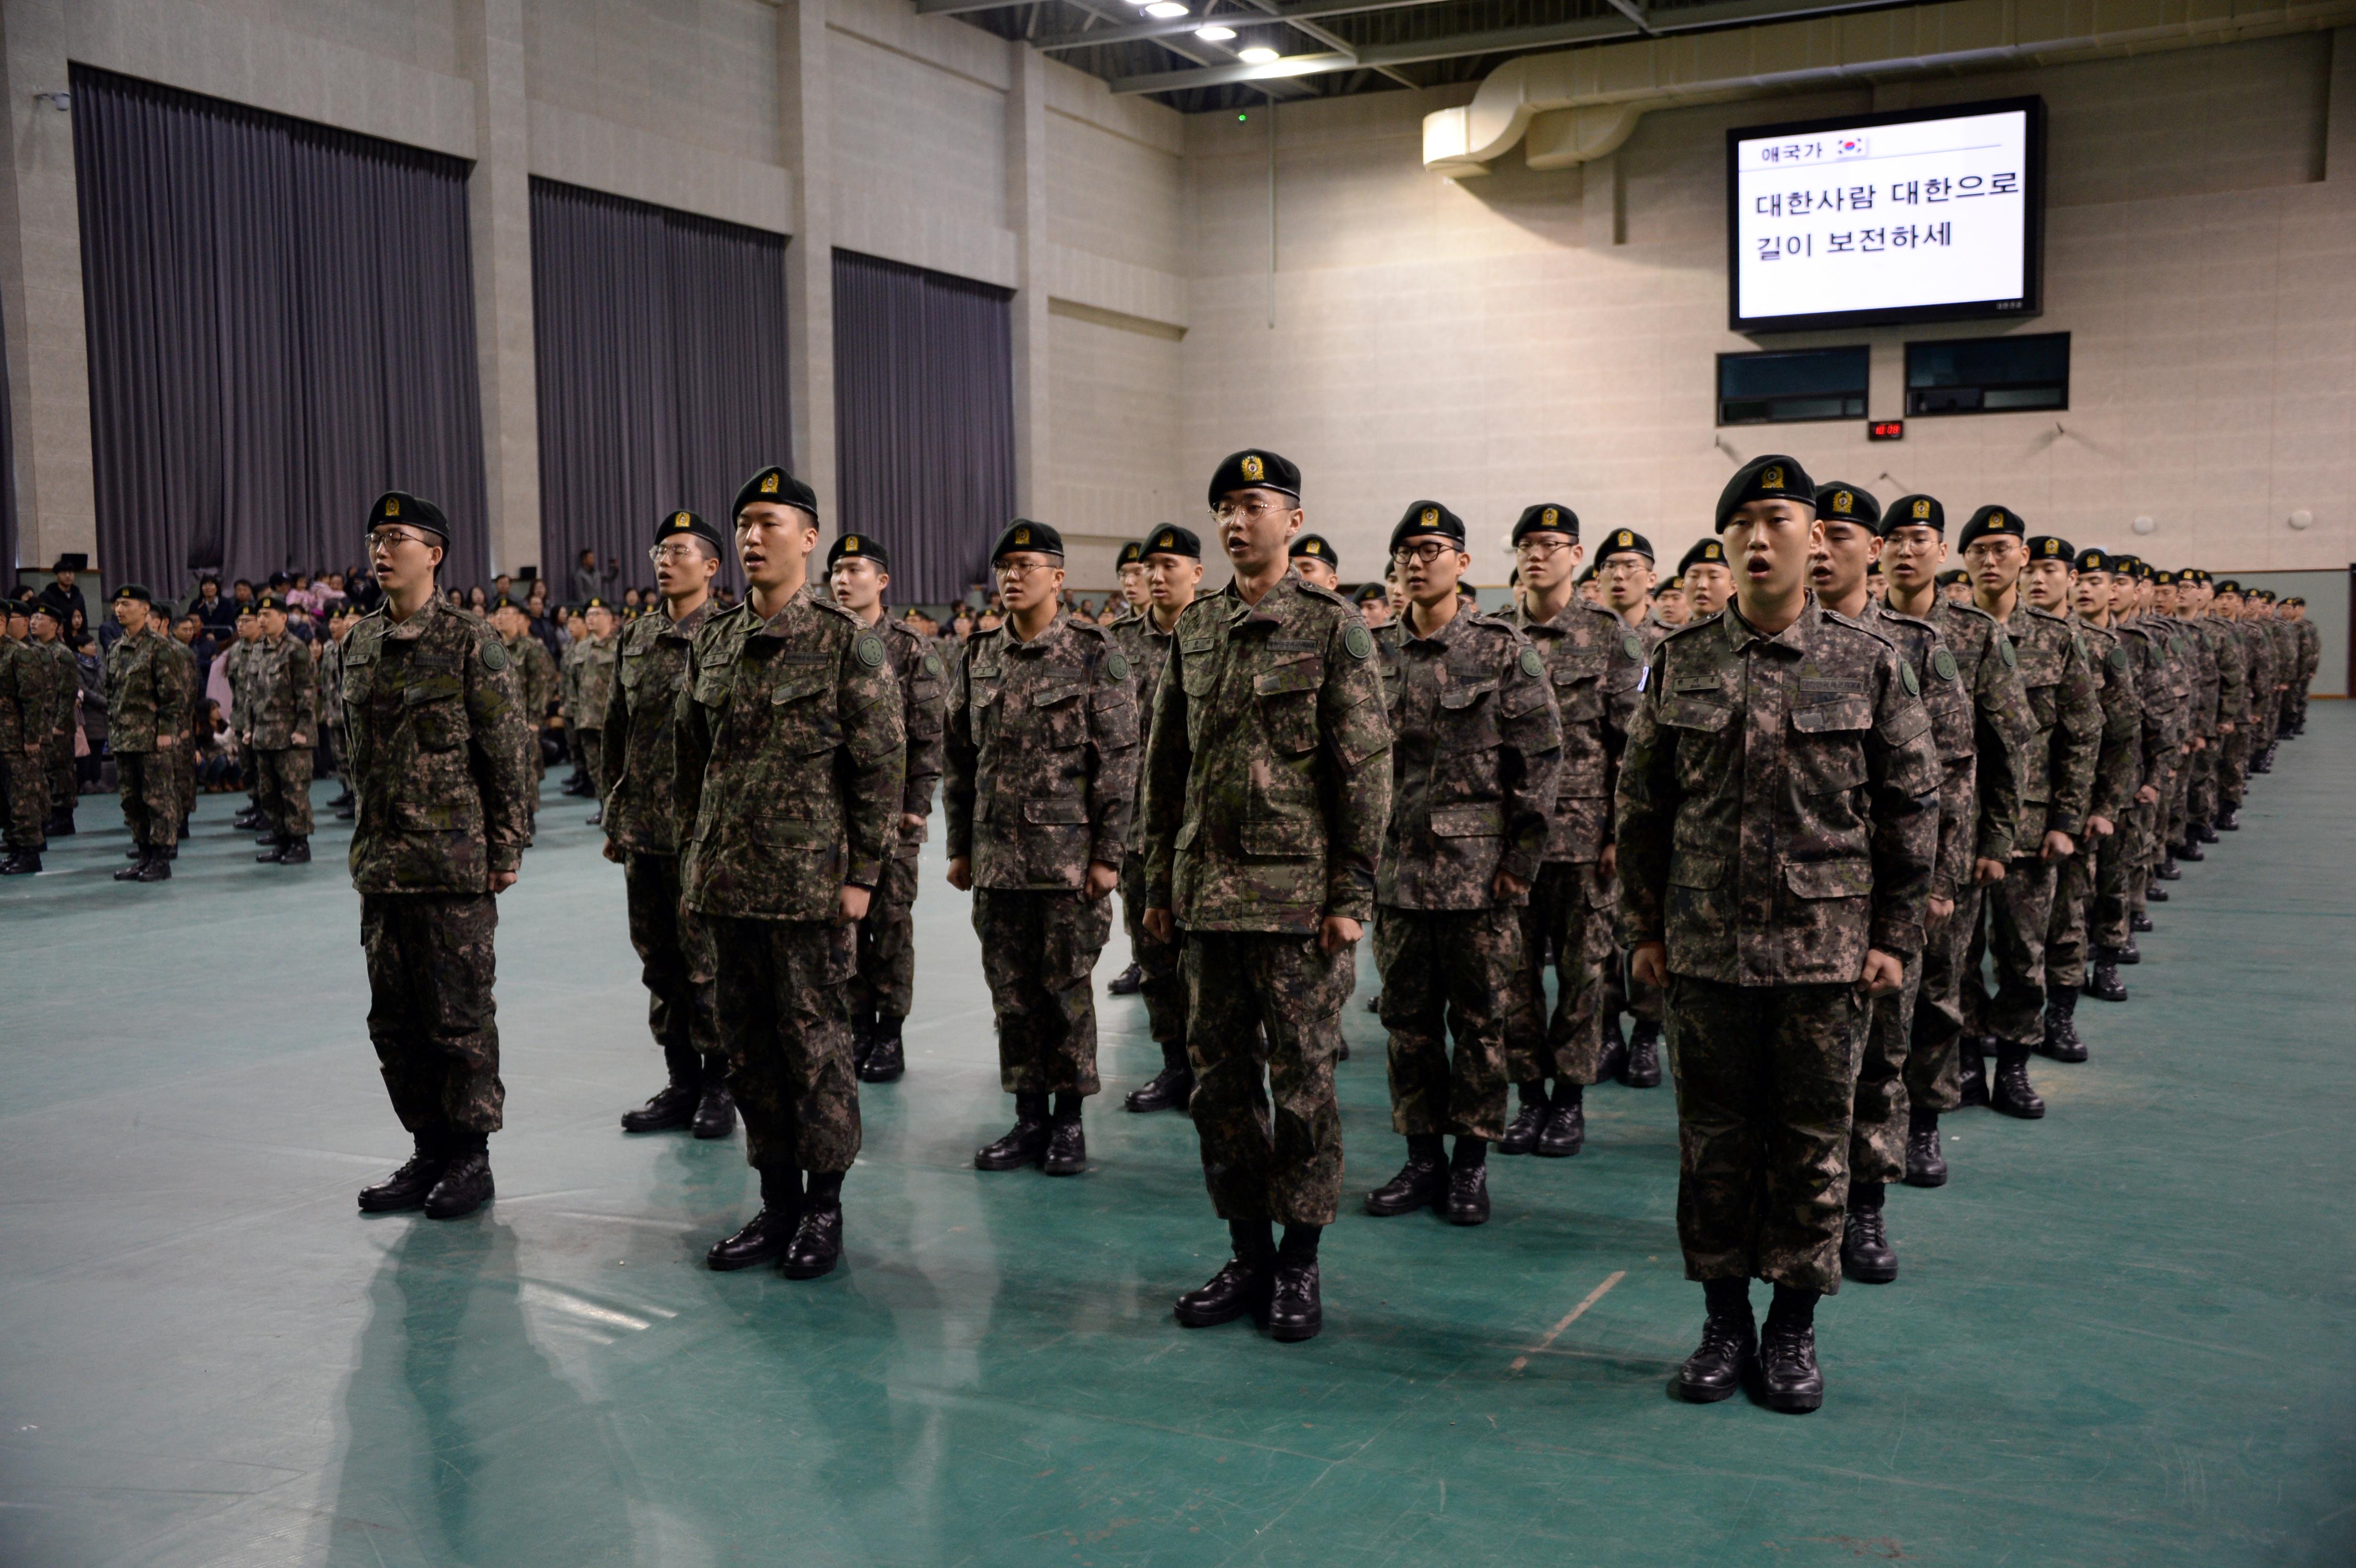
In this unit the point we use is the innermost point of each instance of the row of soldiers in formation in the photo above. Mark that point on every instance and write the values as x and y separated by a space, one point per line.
1802 818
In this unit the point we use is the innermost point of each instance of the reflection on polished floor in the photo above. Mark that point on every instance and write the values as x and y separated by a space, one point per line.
2121 1335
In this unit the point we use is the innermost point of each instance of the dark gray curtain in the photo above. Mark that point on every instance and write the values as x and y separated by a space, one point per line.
281 325
661 352
923 420
8 478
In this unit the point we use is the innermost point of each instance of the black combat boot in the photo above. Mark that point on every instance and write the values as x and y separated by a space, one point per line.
1788 1377
1128 983
1866 1254
2264 763
466 1184
1971 1057
1239 1287
248 819
1421 1183
2062 1042
21 863
2229 820
2207 832
862 1037
1564 1133
2168 871
155 868
2102 982
674 1104
407 1188
1468 1183
344 809
291 851
1024 1143
716 1108
138 855
1171 1089
766 1234
1522 1132
2011 1093
1642 1070
887 1058
2153 894
597 818
1068 1148
1608 1066
817 1245
1926 1163
2190 848
1729 1344
1295 1311
61 824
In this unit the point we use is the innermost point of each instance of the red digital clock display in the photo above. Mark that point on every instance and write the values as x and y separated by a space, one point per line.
1886 430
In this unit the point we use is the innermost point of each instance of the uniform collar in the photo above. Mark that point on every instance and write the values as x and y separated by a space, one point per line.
1273 604
1448 636
1051 637
1563 620
1799 637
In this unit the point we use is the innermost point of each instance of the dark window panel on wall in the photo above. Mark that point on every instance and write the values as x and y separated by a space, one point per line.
1789 386
923 387
1988 375
660 359
281 324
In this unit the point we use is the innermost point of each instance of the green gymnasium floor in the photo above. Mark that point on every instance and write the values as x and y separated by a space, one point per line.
2123 1335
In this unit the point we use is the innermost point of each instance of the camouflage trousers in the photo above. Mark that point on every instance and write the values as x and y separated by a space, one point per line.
1623 992
1039 950
2201 799
2017 911
781 1007
675 962
1164 988
2233 765
2118 862
431 1014
885 982
1448 972
26 781
1263 1032
151 797
1570 911
63 789
287 789
589 750
1933 1064
1880 1111
1765 1079
2067 927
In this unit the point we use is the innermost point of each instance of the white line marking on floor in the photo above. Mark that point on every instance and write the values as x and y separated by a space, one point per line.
1568 1318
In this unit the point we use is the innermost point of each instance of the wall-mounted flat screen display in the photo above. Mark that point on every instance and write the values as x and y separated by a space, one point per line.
1918 215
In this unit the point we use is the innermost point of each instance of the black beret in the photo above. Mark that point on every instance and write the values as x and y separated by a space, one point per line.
2142 569
2047 547
2091 559
2266 594
510 601
1254 470
594 602
1873 567
1131 554
1950 577
2297 599
1466 591
1838 498
134 591
1370 593
1547 516
1024 534
859 547
1315 547
1623 541
1771 478
1172 540
270 601
1707 552
1588 576
400 507
1674 585
774 485
2228 586
2163 576
1915 512
15 607
1427 519
43 607
673 524
1998 521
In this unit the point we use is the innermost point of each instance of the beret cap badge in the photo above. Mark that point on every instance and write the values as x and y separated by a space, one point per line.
1772 478
1254 468
1431 517
768 484
1922 509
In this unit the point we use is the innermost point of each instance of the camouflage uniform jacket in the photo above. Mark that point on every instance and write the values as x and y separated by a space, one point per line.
1147 648
1476 751
593 682
2237 690
240 662
1989 668
439 769
191 683
26 698
1042 756
2200 656
923 681
2262 668
331 685
788 760
68 678
2175 671
2118 765
1649 631
1778 803
2068 715
285 694
2310 650
146 692
639 733
1268 770
1594 662
2286 649
2155 706
535 670
1952 735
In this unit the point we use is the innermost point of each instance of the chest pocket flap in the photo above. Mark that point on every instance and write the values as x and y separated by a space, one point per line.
796 685
1301 674
1692 713
1841 714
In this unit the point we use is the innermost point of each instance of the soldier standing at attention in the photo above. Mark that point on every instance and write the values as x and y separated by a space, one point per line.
593 693
883 989
146 693
48 640
239 659
1779 805
1267 787
1592 663
535 681
1709 582
644 832
1852 520
1131 563
438 769
1624 568
1314 559
281 705
180 639
789 753
27 703
1040 782
331 707
1475 748
2057 785
2107 588
1174 571
1669 605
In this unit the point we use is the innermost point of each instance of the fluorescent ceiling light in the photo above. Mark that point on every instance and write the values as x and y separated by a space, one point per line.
1164 10
1214 33
1256 54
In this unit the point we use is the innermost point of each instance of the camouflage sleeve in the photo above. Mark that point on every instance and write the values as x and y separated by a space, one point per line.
2001 739
15 696
690 747
1645 812
1112 740
2077 744
1532 725
175 681
1952 737
613 738
960 762
1623 677
925 714
1901 779
306 696
498 754
2118 767
2234 692
875 739
1357 733
1169 758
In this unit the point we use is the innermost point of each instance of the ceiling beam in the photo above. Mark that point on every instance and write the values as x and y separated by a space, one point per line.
1303 10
